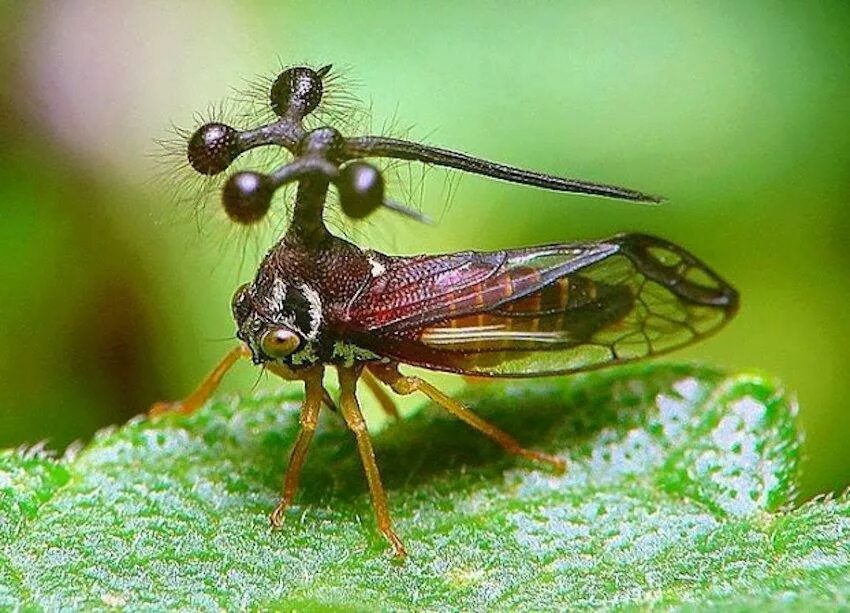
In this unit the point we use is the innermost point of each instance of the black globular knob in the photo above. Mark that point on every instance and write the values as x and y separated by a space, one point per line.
325 141
212 148
247 197
299 89
361 189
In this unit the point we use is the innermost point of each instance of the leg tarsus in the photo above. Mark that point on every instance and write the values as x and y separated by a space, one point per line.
277 515
202 393
405 385
399 552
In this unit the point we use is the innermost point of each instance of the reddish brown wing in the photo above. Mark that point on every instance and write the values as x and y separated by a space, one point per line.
411 292
544 310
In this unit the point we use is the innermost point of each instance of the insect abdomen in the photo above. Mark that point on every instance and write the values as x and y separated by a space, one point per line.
566 312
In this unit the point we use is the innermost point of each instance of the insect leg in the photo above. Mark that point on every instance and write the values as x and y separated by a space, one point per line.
354 418
380 394
314 395
404 385
289 375
329 402
196 399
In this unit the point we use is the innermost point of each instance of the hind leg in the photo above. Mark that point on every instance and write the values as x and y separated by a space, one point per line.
403 385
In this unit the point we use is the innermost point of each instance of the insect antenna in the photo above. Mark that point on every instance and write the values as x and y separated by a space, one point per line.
220 339
259 378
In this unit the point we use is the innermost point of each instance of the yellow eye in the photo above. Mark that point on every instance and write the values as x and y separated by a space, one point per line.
279 342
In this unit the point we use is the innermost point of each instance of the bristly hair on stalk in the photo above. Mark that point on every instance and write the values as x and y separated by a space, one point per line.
196 186
195 198
345 110
284 137
407 183
339 106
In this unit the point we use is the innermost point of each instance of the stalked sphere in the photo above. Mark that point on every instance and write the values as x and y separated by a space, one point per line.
299 89
212 148
361 189
247 197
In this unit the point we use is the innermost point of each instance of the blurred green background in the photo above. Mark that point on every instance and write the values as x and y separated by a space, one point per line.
738 112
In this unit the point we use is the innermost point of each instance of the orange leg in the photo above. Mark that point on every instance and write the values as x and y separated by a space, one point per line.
380 394
407 385
287 374
314 395
354 418
196 399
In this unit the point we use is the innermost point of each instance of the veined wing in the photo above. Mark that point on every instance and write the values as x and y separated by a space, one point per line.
408 293
557 309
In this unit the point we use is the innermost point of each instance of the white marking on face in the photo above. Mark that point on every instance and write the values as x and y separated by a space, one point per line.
377 267
277 295
315 301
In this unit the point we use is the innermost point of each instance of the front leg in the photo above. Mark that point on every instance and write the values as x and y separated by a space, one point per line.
354 418
196 399
314 394
210 383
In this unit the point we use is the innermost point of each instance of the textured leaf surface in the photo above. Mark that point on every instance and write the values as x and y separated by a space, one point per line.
679 491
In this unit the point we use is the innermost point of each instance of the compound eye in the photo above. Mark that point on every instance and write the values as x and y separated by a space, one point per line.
361 189
279 342
298 89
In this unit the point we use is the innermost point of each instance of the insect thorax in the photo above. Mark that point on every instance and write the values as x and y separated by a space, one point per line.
340 352
295 292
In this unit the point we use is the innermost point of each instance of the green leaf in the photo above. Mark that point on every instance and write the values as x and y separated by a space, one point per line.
679 491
